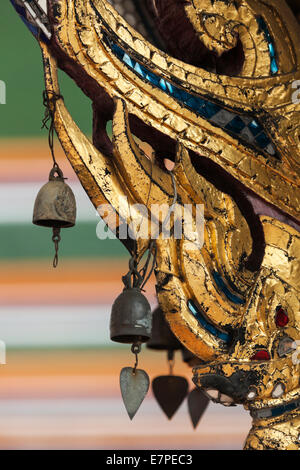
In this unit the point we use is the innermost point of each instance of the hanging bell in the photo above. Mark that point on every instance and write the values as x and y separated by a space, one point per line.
55 204
162 337
131 317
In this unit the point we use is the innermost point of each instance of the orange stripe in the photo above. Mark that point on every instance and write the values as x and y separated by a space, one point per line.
81 270
30 160
79 363
72 282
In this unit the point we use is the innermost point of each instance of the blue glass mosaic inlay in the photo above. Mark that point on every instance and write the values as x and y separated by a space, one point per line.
205 323
263 27
223 287
241 126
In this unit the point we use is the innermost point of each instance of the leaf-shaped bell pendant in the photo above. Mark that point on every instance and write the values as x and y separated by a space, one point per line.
55 206
169 390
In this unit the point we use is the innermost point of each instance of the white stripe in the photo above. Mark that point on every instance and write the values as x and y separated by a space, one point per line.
17 201
55 326
105 420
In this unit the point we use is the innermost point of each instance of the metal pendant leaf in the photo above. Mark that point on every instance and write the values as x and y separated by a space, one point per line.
134 388
170 391
197 404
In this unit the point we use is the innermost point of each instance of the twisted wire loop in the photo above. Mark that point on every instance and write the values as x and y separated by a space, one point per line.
49 101
56 239
136 349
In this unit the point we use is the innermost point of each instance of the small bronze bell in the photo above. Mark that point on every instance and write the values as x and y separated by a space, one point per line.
55 204
55 207
162 337
131 317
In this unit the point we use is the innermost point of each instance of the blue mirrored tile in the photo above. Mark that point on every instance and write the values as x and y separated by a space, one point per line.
263 27
271 149
223 287
180 94
138 69
170 88
201 110
192 103
206 324
185 96
274 66
211 109
254 127
162 84
177 93
201 106
236 125
271 49
128 61
117 50
262 140
153 79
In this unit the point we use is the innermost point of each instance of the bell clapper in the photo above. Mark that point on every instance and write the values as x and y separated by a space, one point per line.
56 239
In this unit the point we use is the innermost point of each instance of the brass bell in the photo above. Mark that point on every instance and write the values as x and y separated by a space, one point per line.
131 318
162 337
55 204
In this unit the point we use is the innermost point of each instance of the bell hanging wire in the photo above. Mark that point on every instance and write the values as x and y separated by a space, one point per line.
55 204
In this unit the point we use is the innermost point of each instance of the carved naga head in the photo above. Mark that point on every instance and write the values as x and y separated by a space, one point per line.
219 99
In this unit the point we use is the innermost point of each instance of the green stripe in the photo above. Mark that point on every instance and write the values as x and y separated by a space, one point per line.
21 241
21 70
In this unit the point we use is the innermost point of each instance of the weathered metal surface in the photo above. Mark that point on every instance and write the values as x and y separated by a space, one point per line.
131 317
134 386
55 204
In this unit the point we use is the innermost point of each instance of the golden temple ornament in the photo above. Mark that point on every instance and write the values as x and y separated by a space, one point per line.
216 91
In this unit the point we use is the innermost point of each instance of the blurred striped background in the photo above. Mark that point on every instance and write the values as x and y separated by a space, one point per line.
59 388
